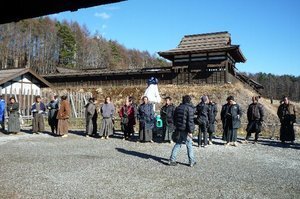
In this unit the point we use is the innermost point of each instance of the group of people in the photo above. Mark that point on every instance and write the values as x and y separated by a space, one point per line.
58 115
178 122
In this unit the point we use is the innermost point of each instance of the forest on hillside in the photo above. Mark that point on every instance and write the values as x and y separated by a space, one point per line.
277 86
43 44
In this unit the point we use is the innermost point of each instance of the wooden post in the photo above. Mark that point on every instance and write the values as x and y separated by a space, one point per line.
73 105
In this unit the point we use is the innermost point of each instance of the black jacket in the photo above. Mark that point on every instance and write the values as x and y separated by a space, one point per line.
231 116
255 112
202 111
212 112
167 114
184 118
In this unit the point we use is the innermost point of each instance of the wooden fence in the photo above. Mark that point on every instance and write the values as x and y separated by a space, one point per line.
26 98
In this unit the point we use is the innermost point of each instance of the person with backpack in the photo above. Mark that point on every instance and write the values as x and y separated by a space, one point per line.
91 116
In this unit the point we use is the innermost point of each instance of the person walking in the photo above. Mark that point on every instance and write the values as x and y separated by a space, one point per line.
185 126
287 115
231 114
2 113
107 111
52 107
255 116
38 110
128 114
167 116
91 116
13 116
213 111
146 120
202 111
63 116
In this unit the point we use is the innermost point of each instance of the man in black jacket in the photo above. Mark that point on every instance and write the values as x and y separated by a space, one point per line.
184 122
231 119
255 116
202 111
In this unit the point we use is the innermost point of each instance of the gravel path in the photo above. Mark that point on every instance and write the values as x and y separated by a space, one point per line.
42 166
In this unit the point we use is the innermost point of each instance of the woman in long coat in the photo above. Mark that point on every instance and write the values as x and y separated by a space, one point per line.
146 118
231 118
14 116
107 111
63 116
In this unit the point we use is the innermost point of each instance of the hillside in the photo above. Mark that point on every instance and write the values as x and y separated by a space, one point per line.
218 92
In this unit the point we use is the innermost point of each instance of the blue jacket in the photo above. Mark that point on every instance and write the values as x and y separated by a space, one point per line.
2 110
42 107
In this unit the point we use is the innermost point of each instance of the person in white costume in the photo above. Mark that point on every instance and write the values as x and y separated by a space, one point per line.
152 91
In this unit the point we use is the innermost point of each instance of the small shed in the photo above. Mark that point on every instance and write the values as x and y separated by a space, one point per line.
24 84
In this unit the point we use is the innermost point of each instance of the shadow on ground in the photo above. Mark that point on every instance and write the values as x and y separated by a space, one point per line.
161 160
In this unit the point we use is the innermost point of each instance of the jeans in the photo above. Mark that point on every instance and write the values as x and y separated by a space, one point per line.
189 147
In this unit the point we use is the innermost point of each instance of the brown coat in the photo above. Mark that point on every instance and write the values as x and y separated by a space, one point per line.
64 110
63 115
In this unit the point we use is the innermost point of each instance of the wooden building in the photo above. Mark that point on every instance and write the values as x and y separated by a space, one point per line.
205 58
24 84
198 59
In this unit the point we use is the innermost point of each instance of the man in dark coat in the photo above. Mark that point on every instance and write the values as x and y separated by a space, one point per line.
167 116
128 114
52 107
202 111
211 120
255 116
287 115
91 116
146 118
184 122
231 119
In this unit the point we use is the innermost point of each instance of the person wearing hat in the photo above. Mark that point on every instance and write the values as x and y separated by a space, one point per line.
202 111
13 116
91 116
255 116
231 114
2 113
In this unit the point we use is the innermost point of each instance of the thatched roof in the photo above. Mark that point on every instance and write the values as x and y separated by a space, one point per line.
208 42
